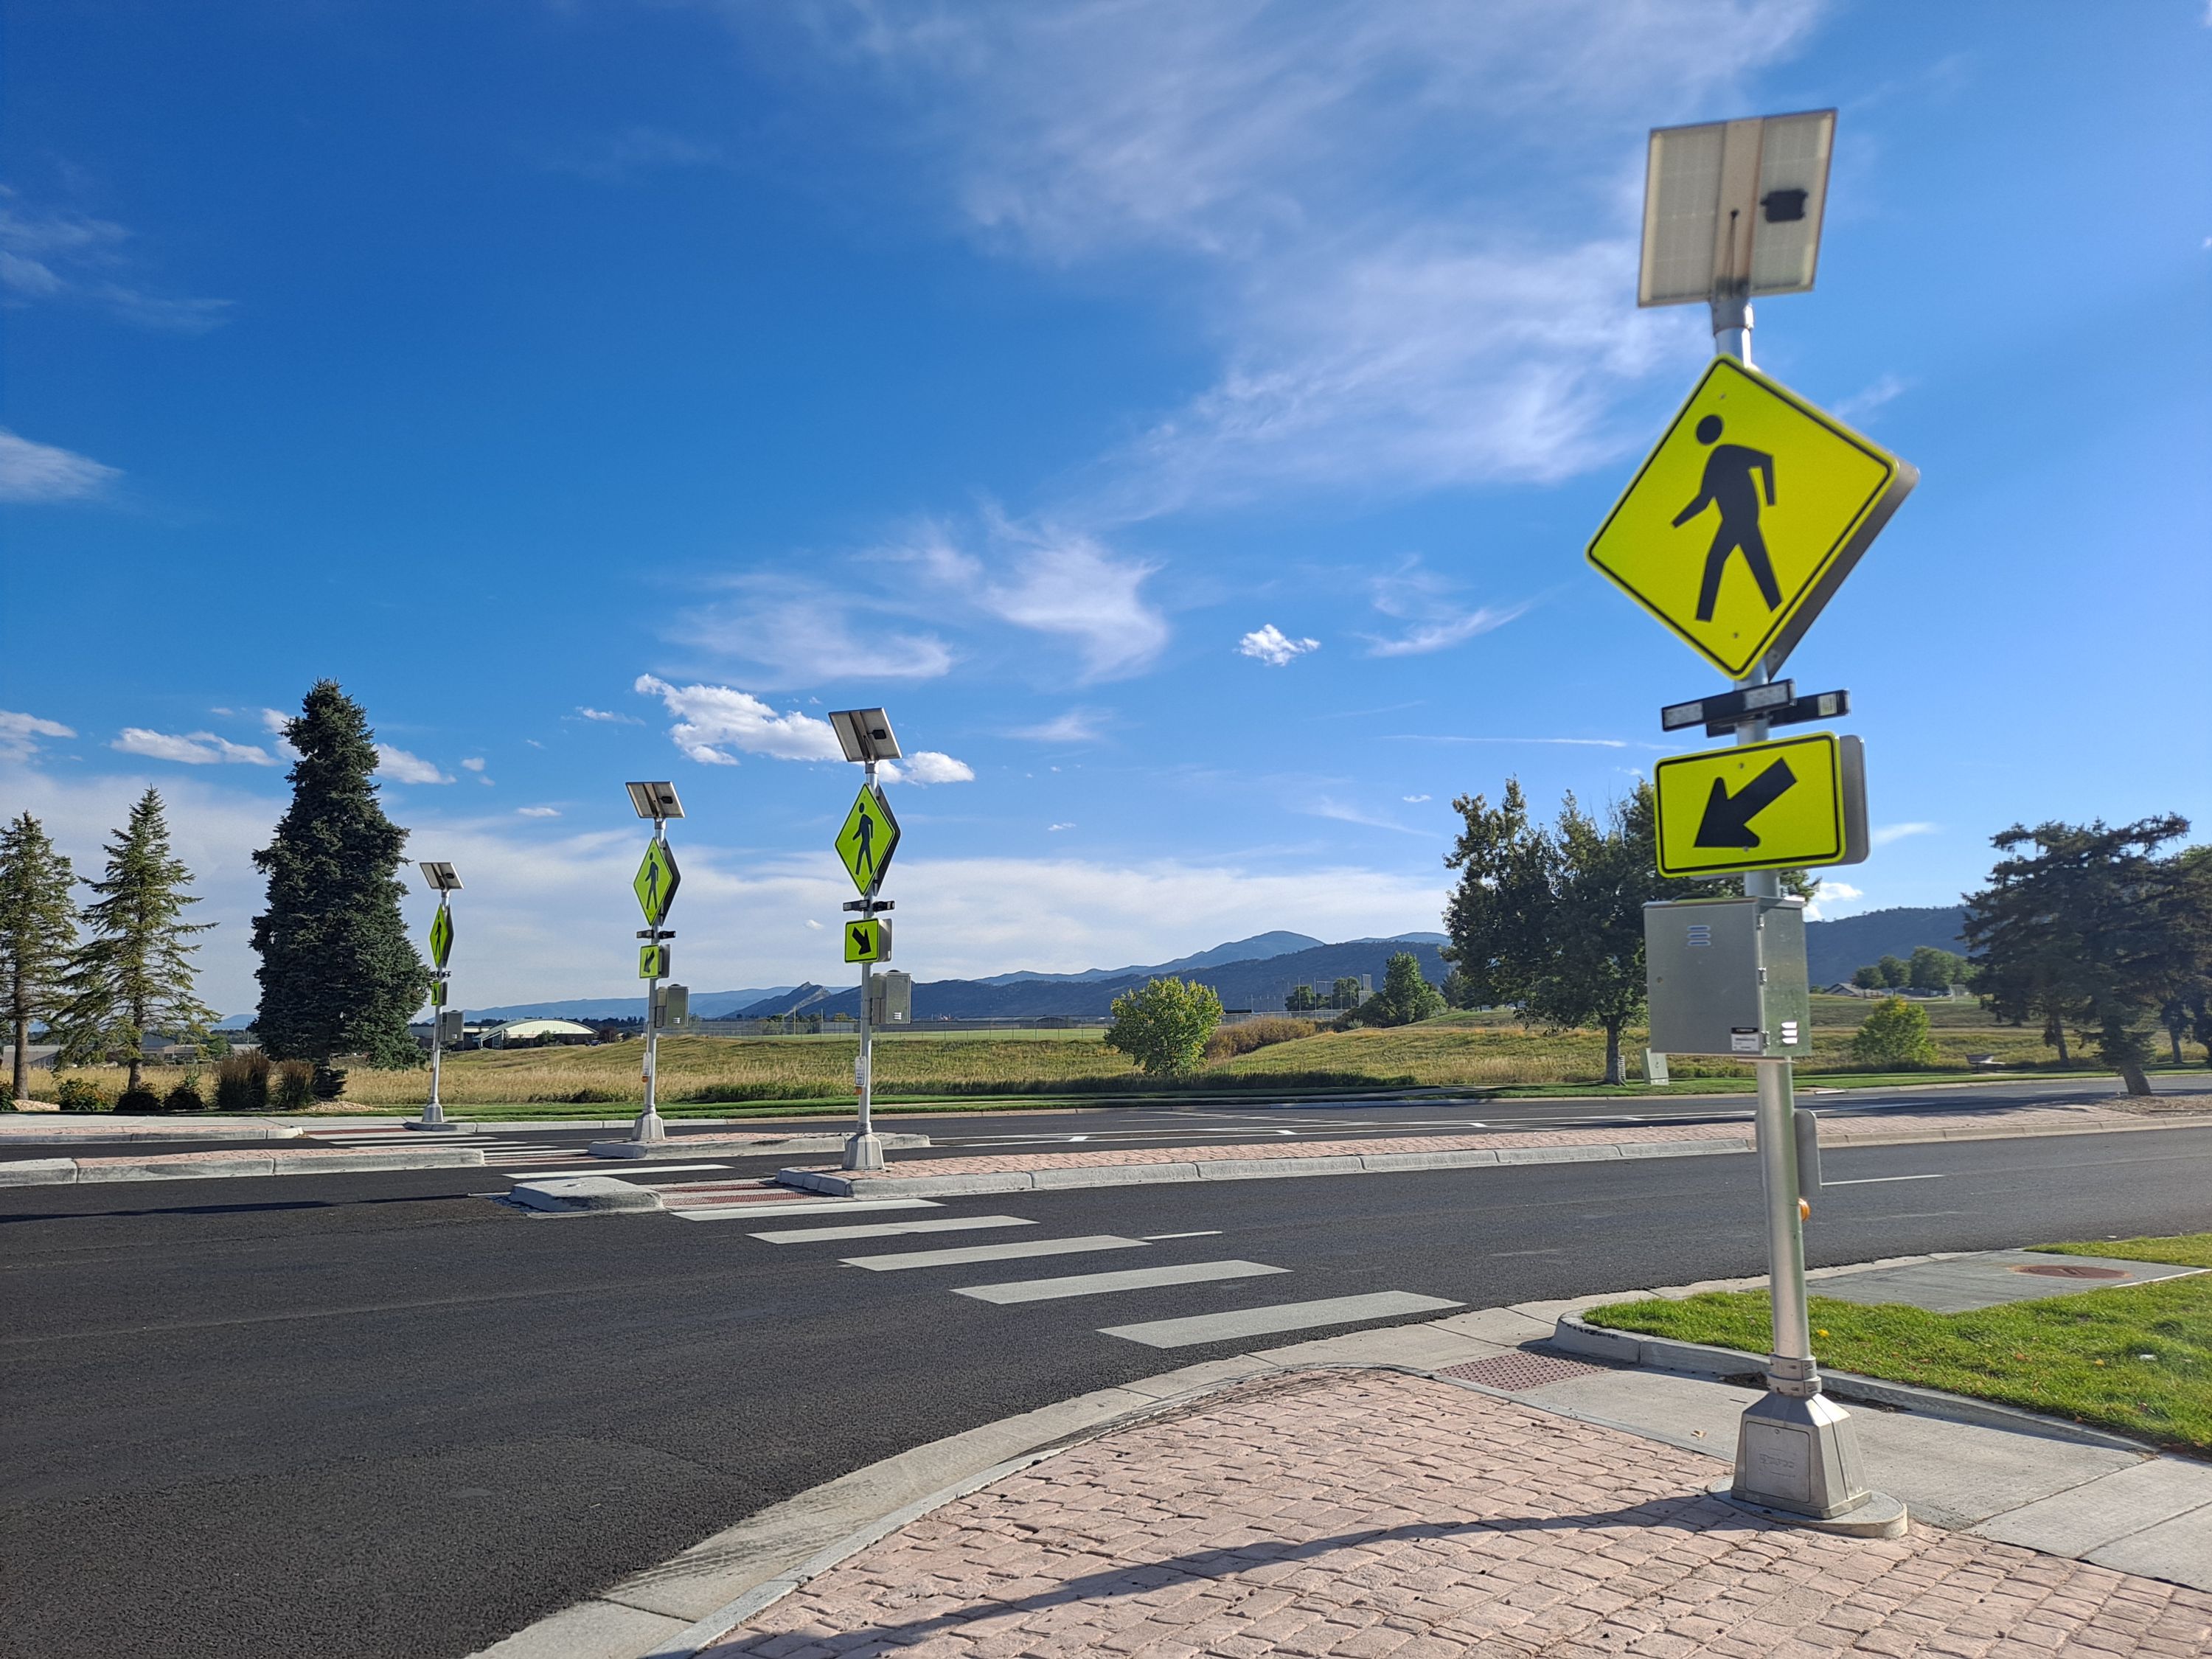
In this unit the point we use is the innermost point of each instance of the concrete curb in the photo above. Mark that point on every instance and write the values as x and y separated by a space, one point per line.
1662 1353
71 1171
763 1146
82 1127
584 1195
1264 1168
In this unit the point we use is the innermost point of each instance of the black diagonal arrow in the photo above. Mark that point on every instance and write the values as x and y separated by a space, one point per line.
1727 822
860 936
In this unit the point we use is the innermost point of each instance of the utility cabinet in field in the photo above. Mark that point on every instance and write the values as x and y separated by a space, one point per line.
1727 976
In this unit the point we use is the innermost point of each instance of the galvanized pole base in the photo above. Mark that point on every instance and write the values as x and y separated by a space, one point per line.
864 1152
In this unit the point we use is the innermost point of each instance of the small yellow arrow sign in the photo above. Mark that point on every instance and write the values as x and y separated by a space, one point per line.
867 941
653 962
657 878
868 840
1783 805
1744 521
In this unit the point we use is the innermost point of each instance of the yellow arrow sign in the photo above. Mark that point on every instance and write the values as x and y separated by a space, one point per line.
1744 521
1782 805
869 837
653 962
867 941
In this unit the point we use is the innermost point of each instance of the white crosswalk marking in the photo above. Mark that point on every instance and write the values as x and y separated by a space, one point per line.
821 1206
1137 1278
643 1176
1282 1317
884 1264
954 1224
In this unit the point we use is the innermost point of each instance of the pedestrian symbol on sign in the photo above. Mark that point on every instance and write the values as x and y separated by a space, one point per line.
1727 485
869 837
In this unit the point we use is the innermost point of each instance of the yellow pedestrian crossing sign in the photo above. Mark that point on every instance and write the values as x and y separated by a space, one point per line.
657 878
1783 805
869 837
1743 522
867 941
441 937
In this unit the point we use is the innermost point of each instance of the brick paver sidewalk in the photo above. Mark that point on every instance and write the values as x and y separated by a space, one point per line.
1372 1514
1834 1131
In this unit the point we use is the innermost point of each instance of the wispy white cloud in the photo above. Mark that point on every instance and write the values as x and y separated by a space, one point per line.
1434 617
58 256
1860 405
191 749
1415 800
20 734
607 716
800 635
925 767
474 763
1076 725
713 719
1884 833
1326 806
401 767
537 812
1270 645
1055 580
40 472
1055 829
1565 743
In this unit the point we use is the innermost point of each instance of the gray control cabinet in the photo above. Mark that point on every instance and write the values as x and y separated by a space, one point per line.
1727 977
890 998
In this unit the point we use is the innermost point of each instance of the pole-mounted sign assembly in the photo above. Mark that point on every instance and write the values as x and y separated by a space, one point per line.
655 885
444 1024
864 845
1738 528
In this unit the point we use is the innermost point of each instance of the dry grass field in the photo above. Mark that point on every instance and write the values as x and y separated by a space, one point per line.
1457 1050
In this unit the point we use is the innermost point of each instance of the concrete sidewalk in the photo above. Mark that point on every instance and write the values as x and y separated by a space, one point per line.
1120 1166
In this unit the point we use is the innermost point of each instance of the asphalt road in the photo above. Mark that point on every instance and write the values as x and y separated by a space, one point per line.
373 1414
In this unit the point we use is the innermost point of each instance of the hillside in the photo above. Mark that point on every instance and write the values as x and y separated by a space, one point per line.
1834 949
1258 947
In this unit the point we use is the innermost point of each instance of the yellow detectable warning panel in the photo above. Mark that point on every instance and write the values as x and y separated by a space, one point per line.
1781 806
867 941
869 837
1747 518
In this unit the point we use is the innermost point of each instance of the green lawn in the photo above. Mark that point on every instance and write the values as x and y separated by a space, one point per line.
2137 1358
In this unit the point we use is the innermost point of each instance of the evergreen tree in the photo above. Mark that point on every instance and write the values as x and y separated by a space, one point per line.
133 978
339 973
1406 995
38 932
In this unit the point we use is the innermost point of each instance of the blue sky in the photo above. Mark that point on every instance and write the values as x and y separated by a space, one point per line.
604 390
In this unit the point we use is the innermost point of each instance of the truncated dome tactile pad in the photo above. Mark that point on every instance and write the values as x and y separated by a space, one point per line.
1512 1372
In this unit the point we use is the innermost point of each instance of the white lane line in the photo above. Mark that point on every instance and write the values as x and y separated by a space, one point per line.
1210 1232
827 1208
1875 1181
1136 1279
1282 1317
900 1262
950 1224
628 1172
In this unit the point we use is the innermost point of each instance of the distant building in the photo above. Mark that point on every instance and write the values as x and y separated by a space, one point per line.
537 1033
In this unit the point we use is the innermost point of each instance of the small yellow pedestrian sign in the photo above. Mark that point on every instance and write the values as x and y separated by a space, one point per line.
657 878
868 839
1783 805
653 962
1743 522
441 937
867 941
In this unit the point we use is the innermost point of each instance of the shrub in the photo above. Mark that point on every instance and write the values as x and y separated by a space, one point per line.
1163 1027
136 1103
1231 1041
328 1082
1894 1034
241 1083
294 1085
1406 995
186 1097
80 1094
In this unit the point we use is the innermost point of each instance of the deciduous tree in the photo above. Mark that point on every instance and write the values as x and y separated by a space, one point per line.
1163 1027
339 973
133 978
38 932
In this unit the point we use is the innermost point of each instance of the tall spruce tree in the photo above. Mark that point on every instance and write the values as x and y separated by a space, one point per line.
38 932
339 973
133 977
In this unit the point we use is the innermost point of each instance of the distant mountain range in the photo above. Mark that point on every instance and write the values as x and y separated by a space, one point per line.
1254 973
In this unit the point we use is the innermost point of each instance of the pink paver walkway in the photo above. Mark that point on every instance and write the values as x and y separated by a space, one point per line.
2026 1120
1369 1514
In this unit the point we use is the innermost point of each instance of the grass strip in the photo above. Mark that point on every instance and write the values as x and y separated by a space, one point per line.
2135 1359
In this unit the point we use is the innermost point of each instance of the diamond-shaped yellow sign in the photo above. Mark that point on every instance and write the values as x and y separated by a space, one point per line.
868 839
1744 521
441 937
657 878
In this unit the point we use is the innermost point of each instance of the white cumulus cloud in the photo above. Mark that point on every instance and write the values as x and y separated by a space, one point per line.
403 768
20 734
1884 833
713 719
1827 895
1270 645
190 747
608 716
39 472
927 766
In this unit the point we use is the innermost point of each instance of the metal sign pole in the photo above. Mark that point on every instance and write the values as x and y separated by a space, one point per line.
649 1129
865 1150
435 1111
